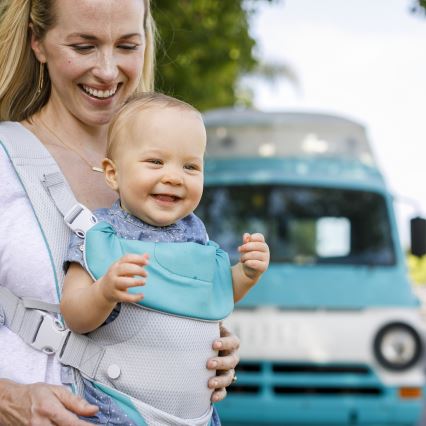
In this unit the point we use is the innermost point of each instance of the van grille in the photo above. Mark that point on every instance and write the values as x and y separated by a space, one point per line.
292 390
318 369
286 379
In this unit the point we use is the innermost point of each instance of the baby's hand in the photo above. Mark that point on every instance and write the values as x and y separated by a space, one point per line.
254 255
128 271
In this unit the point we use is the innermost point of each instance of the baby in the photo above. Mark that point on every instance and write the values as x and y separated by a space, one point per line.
154 161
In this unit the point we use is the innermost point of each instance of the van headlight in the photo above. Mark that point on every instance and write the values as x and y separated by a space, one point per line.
397 346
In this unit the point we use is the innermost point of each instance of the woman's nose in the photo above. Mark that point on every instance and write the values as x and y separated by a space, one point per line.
106 68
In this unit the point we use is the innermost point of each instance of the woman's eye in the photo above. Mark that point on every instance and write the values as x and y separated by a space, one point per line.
82 47
129 46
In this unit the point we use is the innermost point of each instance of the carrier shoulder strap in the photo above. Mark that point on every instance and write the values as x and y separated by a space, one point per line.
42 181
51 200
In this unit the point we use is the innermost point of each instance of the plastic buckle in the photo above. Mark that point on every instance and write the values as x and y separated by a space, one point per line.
50 336
80 219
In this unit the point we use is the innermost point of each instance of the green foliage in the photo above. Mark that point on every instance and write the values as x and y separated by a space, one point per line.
419 7
204 47
417 268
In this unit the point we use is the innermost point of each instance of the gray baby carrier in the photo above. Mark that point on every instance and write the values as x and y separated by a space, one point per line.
165 352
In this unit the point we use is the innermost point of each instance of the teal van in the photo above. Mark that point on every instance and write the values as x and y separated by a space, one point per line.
332 334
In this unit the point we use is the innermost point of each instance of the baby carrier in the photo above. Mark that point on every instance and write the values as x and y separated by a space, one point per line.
163 339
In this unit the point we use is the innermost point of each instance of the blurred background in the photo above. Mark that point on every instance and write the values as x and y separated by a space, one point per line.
362 59
335 335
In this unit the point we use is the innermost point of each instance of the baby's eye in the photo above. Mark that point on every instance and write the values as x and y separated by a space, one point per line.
155 161
192 167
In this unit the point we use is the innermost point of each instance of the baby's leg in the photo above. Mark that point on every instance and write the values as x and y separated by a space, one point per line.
109 414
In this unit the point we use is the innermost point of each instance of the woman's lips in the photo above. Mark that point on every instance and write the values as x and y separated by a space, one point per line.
99 94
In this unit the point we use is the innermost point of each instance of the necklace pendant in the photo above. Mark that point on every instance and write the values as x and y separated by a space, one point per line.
97 169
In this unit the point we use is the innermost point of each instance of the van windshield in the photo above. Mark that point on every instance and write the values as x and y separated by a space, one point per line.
302 225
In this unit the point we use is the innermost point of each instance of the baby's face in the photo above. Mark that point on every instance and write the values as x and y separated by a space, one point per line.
160 165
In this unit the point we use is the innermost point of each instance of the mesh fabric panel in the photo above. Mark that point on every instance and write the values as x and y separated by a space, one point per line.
162 359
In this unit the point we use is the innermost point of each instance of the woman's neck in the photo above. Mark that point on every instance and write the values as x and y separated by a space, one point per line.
78 149
70 129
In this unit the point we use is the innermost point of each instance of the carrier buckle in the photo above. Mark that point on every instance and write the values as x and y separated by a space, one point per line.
50 335
80 219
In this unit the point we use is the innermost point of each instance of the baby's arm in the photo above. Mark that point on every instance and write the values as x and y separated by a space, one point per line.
85 304
254 261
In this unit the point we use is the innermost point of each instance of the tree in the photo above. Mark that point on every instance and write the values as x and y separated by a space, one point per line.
419 6
204 48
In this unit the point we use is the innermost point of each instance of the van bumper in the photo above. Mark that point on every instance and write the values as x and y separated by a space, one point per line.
238 410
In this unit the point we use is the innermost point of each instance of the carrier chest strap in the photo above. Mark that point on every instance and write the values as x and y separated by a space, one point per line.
45 333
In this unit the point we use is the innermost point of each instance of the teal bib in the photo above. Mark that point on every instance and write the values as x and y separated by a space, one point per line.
186 279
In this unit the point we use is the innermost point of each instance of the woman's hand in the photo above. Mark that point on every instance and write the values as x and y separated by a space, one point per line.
224 364
42 405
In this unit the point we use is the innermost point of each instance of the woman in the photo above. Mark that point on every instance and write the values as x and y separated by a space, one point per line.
65 68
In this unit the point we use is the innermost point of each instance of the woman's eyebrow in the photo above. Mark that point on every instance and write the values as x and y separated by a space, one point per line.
90 37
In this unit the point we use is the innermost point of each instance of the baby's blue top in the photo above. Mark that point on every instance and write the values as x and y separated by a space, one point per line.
188 229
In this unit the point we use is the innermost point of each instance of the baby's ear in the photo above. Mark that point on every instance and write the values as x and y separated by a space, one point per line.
110 173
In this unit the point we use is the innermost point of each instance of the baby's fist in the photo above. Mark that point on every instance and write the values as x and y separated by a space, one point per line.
254 255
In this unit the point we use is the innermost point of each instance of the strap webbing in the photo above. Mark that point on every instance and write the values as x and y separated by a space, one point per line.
42 332
21 321
40 305
58 189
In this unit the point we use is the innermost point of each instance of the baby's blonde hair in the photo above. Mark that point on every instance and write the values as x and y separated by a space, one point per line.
135 105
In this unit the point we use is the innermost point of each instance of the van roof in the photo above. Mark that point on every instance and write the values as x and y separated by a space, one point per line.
237 132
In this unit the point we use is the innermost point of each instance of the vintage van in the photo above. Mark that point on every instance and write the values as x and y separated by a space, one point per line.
332 334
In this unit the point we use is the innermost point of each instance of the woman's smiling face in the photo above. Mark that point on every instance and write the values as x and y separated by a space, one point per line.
94 55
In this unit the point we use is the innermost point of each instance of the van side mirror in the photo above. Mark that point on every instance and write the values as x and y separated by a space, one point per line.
418 236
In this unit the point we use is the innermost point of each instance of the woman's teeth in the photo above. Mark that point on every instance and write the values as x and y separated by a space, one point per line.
101 94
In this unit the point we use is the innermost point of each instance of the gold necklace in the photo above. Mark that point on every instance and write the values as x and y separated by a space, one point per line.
71 148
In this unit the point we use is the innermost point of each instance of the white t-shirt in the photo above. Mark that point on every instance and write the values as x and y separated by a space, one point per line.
25 269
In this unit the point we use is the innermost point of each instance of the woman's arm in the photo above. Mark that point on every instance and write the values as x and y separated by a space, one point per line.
224 363
38 403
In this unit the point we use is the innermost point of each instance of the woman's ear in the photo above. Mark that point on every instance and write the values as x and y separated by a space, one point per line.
110 173
37 46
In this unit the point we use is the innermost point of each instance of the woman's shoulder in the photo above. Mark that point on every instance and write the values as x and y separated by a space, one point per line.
12 129
19 140
11 133
9 182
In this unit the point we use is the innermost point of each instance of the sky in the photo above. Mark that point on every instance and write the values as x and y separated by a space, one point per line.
365 60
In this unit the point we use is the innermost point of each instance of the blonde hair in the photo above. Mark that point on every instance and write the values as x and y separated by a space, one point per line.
20 71
135 105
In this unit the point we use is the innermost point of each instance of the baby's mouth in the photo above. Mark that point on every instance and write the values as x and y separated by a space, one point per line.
166 197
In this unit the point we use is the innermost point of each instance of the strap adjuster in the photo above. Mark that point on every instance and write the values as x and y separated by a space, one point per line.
50 335
80 219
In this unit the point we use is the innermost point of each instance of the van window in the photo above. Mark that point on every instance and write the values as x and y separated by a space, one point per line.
333 236
301 224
